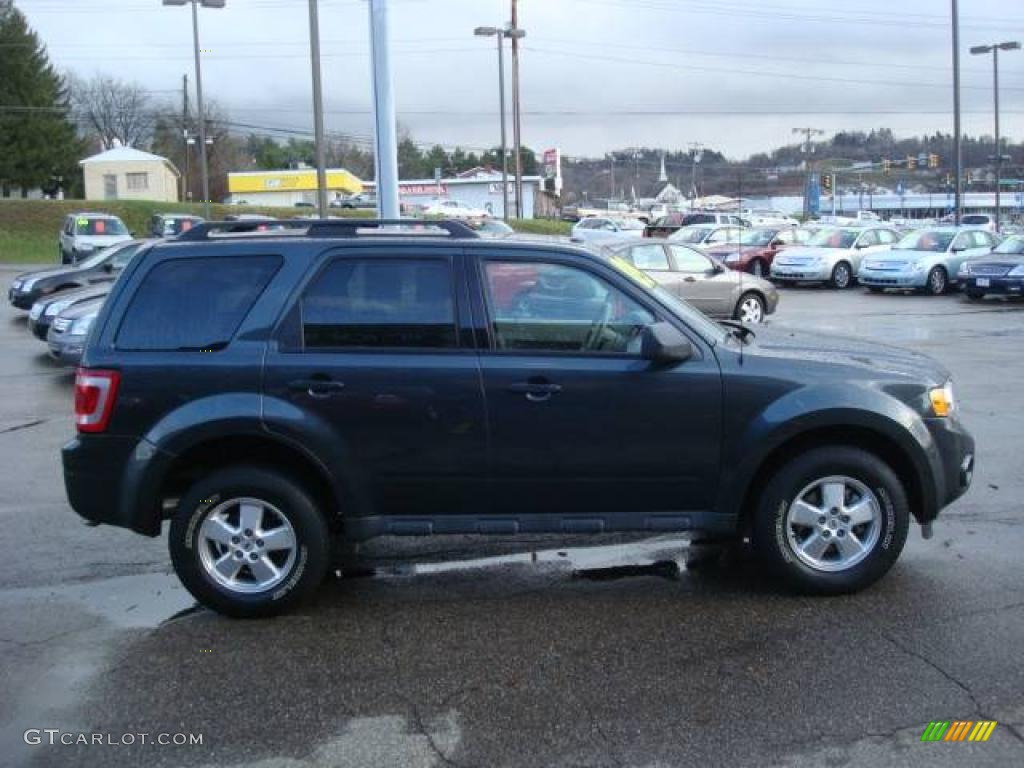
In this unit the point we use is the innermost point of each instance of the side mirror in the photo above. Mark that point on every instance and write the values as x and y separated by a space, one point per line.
662 343
108 267
861 246
957 248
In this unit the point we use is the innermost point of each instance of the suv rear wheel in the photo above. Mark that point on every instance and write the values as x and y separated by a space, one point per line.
832 521
247 541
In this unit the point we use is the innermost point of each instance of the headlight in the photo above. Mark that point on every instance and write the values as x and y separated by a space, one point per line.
943 403
28 285
1017 271
36 311
16 285
965 269
82 325
55 308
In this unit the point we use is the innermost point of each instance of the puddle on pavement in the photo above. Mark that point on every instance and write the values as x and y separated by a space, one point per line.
663 556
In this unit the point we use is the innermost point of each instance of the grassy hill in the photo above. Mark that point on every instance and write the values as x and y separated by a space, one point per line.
28 228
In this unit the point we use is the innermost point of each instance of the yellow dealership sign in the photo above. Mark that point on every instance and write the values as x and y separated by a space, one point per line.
294 181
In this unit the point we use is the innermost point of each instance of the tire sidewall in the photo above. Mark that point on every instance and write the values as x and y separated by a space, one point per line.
311 536
769 529
738 314
930 286
842 265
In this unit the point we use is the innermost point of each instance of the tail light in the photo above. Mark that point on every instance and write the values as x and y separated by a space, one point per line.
95 392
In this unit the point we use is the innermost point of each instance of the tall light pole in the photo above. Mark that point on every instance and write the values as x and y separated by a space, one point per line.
318 108
500 35
204 167
516 34
994 49
385 138
958 206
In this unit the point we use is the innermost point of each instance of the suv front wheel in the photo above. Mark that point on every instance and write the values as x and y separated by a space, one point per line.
832 521
248 542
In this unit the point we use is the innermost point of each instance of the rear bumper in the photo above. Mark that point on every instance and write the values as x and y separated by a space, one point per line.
105 477
1007 286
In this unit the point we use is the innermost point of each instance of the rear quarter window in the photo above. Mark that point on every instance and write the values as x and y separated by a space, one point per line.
194 304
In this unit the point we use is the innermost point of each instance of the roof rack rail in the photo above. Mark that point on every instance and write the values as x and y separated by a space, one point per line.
327 227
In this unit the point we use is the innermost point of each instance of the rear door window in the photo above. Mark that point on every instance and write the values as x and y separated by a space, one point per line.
380 303
194 304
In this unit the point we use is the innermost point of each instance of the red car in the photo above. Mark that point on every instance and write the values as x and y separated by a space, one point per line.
757 248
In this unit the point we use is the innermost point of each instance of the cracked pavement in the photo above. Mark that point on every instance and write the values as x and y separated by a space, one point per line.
515 661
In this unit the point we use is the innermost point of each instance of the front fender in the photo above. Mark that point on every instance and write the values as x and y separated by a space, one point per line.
820 408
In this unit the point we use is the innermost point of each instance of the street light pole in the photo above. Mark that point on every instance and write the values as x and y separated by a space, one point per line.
994 50
958 206
516 34
203 165
385 128
318 108
500 35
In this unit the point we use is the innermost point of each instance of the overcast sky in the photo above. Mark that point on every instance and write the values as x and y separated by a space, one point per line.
594 72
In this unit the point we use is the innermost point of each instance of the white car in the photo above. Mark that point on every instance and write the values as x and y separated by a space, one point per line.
702 236
766 217
83 234
454 209
832 256
603 229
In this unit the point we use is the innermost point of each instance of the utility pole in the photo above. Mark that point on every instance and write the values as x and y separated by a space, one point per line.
957 144
186 192
516 110
809 134
385 140
318 109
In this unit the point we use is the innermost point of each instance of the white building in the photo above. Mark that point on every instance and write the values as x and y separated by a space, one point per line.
125 173
480 188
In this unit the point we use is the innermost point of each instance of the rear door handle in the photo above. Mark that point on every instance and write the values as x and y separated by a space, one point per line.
535 391
319 388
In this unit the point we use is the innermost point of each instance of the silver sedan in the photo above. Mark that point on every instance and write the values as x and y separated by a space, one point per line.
701 280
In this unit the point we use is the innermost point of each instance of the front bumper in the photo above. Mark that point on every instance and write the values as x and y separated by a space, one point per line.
809 274
22 299
40 326
955 448
880 279
67 350
1007 286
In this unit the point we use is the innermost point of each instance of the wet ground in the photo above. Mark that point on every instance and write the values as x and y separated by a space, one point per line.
560 655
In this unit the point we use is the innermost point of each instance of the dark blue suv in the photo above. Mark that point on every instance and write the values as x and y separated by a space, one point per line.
273 394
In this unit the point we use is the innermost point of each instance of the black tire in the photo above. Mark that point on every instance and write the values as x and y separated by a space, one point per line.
842 276
937 282
771 539
974 294
311 540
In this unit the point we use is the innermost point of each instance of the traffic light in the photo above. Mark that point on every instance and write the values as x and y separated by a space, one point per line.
886 166
911 163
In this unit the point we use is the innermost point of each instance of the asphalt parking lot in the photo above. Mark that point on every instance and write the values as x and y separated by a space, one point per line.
553 657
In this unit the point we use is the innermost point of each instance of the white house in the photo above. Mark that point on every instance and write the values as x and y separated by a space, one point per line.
125 173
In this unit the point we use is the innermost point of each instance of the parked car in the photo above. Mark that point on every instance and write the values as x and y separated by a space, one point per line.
756 248
831 256
599 230
982 220
172 224
491 228
768 217
1000 272
705 236
46 310
925 259
354 202
66 337
454 209
673 222
589 399
701 280
82 234
27 288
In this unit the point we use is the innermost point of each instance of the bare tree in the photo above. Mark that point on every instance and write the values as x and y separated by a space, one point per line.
116 111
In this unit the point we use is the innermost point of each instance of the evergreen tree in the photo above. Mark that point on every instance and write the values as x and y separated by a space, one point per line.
38 142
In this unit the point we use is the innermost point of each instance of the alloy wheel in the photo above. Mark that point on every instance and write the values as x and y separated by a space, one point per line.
751 310
833 523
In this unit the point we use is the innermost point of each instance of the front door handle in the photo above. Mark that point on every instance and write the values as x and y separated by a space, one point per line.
690 279
318 387
535 391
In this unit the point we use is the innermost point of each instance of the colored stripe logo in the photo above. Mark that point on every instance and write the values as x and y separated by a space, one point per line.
958 730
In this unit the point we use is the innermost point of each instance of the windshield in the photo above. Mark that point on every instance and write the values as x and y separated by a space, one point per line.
98 258
1013 245
630 224
691 234
834 238
926 240
691 316
757 237
105 226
